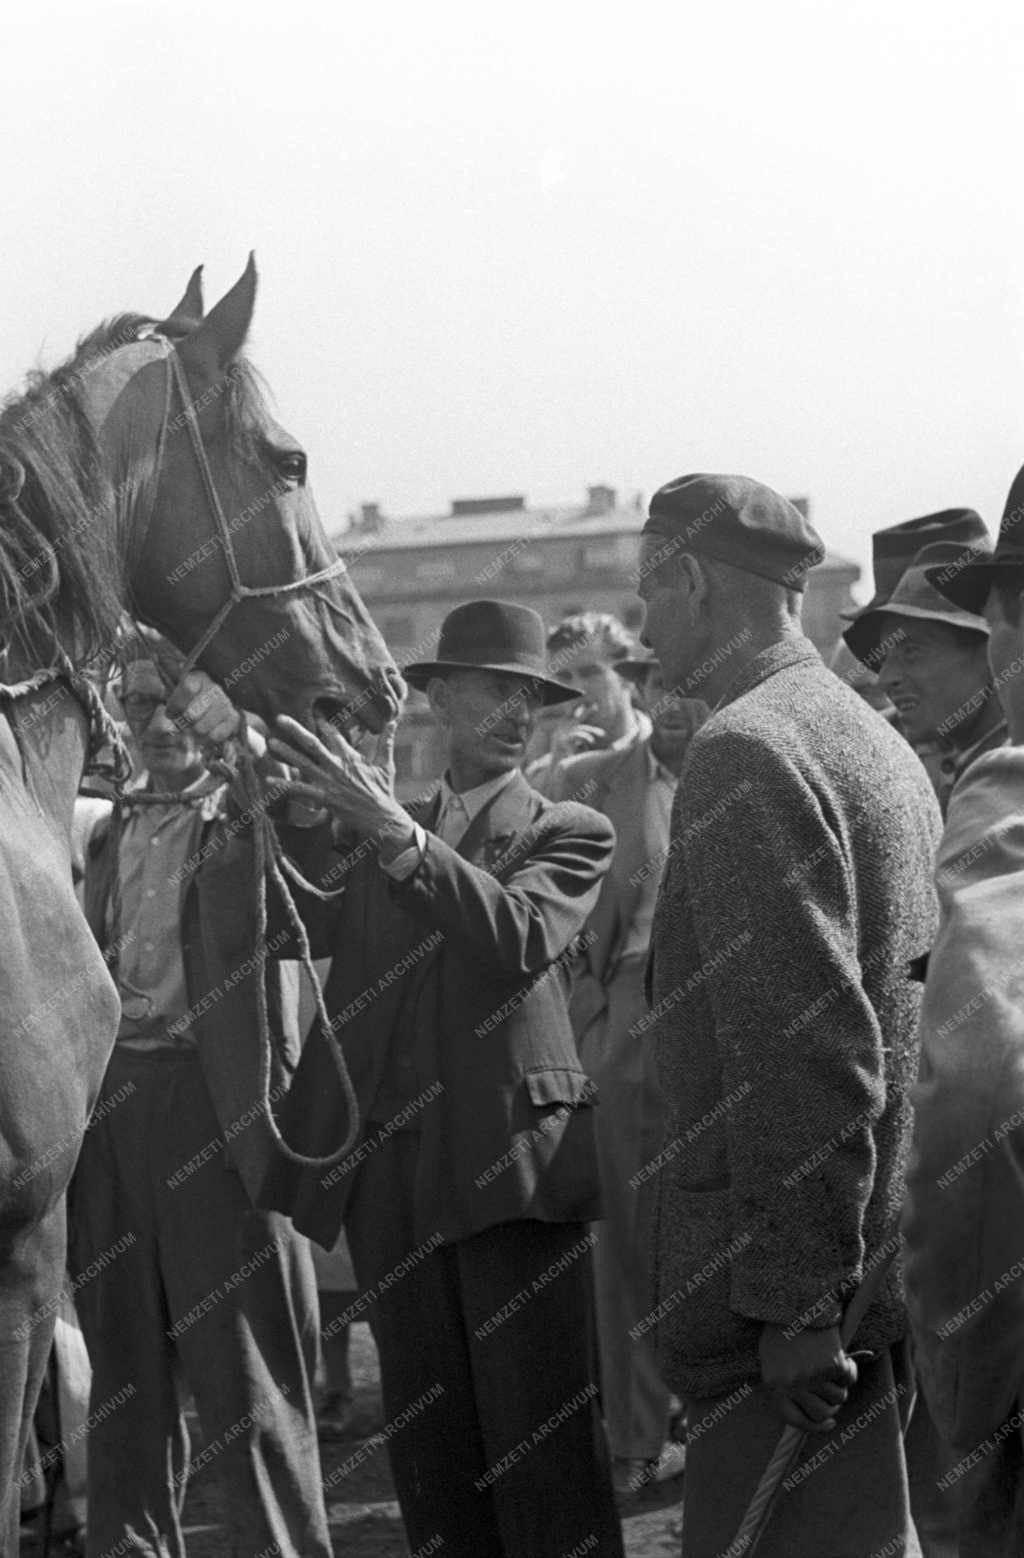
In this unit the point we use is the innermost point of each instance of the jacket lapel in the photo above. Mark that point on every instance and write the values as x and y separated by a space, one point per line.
495 829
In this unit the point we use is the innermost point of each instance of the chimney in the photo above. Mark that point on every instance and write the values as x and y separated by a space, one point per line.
600 500
463 508
370 518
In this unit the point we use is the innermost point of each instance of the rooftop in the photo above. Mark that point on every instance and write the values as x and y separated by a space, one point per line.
474 521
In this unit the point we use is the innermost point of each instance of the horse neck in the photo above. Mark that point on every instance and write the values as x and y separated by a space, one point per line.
44 739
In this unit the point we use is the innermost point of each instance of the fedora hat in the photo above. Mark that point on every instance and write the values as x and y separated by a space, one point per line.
894 548
635 667
492 635
915 597
968 584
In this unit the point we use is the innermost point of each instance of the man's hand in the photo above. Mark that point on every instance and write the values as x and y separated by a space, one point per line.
562 735
198 702
332 774
807 1373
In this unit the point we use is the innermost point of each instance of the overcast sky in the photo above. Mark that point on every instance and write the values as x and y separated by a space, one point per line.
529 248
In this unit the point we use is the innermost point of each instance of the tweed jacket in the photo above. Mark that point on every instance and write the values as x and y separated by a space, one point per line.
796 892
468 960
964 1214
218 937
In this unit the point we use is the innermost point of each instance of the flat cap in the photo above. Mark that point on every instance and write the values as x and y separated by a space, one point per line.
735 520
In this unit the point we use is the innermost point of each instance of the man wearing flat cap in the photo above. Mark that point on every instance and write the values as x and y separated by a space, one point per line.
796 893
965 1184
468 1191
931 659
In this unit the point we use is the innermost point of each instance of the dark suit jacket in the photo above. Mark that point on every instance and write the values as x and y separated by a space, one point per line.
218 935
464 960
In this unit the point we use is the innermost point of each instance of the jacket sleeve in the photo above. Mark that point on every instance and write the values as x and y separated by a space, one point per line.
518 926
775 917
964 1211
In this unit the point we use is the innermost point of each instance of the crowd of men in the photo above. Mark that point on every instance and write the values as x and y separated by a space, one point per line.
684 1019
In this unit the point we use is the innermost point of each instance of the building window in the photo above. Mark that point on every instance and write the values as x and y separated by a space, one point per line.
633 614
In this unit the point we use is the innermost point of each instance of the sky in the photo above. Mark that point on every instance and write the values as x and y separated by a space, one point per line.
534 248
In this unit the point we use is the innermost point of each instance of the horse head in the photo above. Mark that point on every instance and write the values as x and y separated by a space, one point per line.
224 548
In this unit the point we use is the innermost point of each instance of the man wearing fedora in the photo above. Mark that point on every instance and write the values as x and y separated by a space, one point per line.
634 787
795 896
931 659
468 1192
965 1186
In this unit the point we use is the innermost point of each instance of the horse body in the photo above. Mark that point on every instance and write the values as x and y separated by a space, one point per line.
111 500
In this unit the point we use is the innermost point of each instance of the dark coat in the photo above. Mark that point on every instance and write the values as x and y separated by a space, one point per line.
218 935
796 893
477 936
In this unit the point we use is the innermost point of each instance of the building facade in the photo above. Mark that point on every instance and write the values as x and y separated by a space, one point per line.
558 559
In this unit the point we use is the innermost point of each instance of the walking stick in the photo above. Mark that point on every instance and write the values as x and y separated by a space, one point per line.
792 1440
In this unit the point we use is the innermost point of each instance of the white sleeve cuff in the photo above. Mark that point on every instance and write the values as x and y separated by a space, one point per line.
405 864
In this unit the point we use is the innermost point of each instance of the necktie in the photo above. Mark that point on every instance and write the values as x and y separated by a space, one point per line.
453 821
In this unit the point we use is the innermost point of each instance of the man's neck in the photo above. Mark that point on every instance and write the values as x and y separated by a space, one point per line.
969 732
174 783
745 642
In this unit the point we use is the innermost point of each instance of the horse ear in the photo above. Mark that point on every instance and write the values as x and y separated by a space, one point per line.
189 311
219 338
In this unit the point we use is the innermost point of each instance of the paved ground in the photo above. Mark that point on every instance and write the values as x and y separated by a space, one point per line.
364 1517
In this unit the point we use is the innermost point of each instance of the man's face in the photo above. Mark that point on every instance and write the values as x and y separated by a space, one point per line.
488 719
604 695
167 751
668 629
933 673
675 719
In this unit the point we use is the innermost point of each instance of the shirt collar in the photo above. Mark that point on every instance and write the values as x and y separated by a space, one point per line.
473 801
998 736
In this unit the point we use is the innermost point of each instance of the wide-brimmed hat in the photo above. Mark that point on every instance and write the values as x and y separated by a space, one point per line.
967 585
492 635
915 597
894 548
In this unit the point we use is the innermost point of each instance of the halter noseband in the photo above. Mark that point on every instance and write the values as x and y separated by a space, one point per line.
238 591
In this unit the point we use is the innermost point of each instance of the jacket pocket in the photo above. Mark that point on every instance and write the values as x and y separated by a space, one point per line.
550 1085
696 1246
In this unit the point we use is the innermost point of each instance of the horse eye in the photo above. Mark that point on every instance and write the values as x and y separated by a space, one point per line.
292 465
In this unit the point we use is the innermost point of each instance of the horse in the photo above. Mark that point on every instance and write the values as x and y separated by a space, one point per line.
146 476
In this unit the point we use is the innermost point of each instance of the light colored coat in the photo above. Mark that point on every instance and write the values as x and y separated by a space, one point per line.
964 1214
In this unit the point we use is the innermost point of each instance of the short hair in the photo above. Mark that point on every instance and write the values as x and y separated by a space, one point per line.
760 591
599 628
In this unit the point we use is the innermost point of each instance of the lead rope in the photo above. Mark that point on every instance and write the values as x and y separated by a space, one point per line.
271 861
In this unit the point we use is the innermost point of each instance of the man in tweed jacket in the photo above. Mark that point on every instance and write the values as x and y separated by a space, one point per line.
796 892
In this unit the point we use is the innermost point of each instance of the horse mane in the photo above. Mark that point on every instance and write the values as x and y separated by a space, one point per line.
61 562
61 570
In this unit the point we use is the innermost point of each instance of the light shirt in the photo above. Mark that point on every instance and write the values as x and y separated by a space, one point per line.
156 843
457 810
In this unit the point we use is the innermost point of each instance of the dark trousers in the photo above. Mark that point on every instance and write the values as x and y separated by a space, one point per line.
185 1284
31 1266
494 1435
848 1494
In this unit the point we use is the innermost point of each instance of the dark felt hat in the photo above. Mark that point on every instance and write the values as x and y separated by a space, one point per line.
635 667
894 548
492 635
968 583
915 597
733 519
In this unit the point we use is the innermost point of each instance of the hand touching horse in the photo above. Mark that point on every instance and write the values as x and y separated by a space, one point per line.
144 474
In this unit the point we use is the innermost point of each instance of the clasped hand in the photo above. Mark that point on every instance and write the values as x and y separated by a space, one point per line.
808 1375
